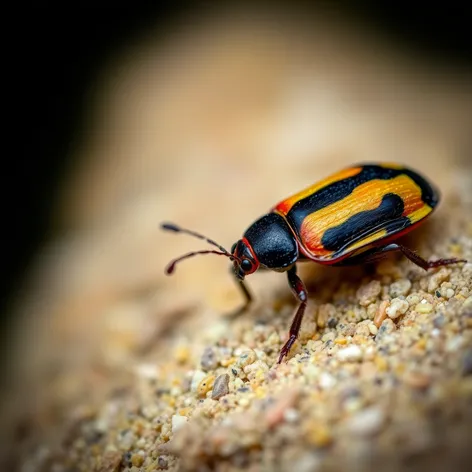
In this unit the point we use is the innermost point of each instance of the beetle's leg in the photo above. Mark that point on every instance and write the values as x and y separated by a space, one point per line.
423 263
247 297
376 253
299 290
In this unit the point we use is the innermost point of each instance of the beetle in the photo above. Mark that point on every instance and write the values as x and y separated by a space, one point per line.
351 217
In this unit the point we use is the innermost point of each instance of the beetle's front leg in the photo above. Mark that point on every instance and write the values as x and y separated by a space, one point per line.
247 297
299 290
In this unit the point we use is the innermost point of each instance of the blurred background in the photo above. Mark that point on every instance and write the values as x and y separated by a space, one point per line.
207 115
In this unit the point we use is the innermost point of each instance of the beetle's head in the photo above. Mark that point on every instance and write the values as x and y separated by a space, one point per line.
245 262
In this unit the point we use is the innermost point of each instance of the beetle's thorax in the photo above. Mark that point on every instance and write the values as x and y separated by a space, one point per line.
272 242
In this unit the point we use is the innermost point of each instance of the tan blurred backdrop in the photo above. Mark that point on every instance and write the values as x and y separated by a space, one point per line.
209 127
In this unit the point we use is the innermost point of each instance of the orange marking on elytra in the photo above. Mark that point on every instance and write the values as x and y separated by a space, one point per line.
365 197
285 206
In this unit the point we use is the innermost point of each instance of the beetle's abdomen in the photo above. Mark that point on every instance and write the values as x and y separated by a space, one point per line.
357 207
272 241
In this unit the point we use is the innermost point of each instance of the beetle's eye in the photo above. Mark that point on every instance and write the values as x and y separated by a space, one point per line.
233 247
246 265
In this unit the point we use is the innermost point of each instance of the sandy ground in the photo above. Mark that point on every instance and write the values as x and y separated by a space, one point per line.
120 368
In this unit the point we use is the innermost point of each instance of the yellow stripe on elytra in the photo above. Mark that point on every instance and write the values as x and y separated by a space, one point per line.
365 197
419 214
367 240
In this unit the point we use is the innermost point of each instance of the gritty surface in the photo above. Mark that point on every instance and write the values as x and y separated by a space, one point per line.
380 377
121 369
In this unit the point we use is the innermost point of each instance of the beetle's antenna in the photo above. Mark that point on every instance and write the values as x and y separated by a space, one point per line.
177 229
171 266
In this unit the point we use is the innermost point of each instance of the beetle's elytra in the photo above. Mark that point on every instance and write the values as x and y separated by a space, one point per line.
351 217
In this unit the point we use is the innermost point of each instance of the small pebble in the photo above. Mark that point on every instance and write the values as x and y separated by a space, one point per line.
220 387
400 287
178 421
205 385
450 293
329 336
366 422
333 322
362 329
162 463
209 360
397 308
387 327
291 415
372 329
137 460
243 401
246 358
381 313
198 376
436 279
327 381
424 307
368 293
413 299
350 354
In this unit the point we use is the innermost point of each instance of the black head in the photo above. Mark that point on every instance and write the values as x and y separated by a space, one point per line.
245 261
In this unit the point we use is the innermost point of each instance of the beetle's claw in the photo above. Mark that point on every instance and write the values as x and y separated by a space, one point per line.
286 349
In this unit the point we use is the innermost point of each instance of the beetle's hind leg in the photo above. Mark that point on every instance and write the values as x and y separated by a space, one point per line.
374 254
423 263
299 290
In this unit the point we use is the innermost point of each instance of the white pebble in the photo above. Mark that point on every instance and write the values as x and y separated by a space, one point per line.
291 415
366 422
413 299
198 376
350 354
455 343
178 421
400 287
450 293
327 381
397 307
372 329
147 371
